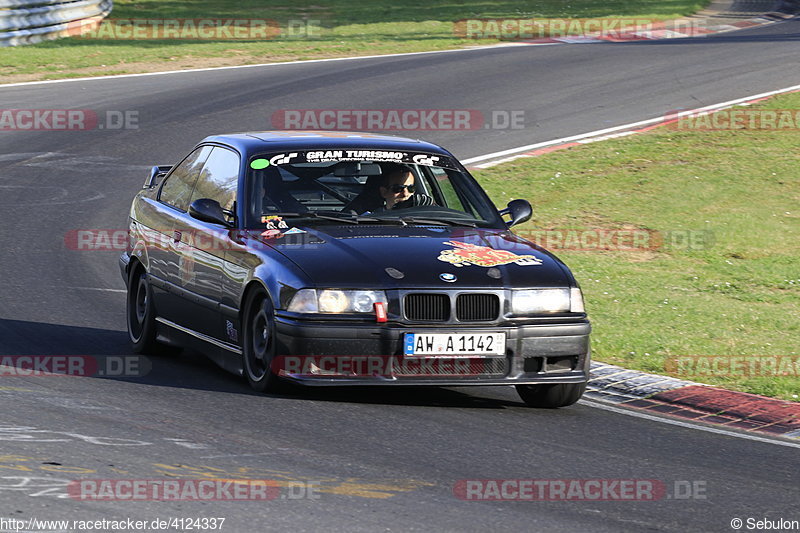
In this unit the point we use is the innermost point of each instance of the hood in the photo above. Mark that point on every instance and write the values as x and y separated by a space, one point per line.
419 257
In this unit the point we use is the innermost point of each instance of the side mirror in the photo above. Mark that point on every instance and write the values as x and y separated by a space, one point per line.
520 211
158 171
208 210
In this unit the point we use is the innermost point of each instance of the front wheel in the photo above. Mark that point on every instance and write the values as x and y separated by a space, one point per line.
260 345
551 395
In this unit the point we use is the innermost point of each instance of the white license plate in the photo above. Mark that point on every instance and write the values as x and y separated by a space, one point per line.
463 344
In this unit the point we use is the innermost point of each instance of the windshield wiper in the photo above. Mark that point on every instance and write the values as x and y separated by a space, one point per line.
437 221
335 217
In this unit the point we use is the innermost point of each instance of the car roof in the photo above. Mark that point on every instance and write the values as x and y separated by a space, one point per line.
280 140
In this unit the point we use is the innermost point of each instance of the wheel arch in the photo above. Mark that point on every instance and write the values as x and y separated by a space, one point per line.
134 263
138 253
253 286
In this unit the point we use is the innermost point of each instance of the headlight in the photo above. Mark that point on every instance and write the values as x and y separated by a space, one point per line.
332 301
335 301
576 298
536 301
305 301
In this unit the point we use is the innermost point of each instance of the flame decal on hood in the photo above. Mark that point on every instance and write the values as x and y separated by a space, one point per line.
464 254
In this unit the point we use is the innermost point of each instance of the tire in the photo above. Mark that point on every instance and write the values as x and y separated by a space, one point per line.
140 312
551 396
260 345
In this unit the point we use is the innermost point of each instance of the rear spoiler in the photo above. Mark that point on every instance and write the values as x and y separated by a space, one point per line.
156 172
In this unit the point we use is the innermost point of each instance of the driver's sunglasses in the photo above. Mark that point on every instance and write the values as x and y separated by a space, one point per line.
397 188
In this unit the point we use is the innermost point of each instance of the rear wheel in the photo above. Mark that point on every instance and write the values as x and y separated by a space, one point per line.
260 345
551 395
140 312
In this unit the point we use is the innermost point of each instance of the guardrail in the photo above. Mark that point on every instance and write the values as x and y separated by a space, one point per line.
33 21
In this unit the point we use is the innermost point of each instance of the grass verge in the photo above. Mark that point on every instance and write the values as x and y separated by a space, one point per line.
734 292
319 29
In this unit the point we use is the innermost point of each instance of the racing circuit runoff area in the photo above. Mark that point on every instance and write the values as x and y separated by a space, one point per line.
172 443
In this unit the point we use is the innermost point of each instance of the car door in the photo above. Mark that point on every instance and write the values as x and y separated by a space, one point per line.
201 249
173 200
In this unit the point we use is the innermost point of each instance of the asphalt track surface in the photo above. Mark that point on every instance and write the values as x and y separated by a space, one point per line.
385 459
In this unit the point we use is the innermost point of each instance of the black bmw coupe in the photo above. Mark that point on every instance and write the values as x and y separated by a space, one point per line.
333 258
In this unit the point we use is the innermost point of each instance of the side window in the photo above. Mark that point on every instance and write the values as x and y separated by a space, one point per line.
219 178
177 189
446 190
443 186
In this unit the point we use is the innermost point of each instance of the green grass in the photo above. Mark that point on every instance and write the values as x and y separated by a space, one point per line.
345 27
738 295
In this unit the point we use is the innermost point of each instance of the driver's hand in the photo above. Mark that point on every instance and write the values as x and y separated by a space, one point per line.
416 200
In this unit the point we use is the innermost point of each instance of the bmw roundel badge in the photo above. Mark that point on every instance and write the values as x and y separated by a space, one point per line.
448 277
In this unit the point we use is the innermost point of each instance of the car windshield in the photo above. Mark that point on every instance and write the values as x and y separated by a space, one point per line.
407 190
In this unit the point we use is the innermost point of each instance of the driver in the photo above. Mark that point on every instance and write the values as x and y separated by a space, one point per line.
398 189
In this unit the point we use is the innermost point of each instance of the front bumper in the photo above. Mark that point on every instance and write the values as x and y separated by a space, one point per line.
534 354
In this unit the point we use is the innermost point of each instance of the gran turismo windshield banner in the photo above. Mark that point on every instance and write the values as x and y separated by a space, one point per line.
321 156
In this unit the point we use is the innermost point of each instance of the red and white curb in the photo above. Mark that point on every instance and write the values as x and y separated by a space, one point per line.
688 400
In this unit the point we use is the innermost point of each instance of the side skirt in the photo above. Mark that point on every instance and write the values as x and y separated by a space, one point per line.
226 355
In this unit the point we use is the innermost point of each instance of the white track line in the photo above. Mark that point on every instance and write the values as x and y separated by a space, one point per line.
709 429
633 125
96 289
232 67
